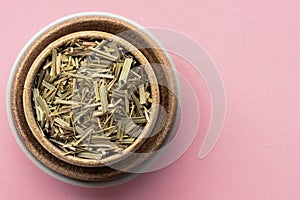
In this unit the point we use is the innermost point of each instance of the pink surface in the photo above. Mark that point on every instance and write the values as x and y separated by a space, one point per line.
255 45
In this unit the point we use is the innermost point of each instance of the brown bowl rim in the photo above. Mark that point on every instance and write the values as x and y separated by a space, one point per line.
28 106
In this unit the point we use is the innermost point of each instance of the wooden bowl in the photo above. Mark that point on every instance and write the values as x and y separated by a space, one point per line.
28 103
102 175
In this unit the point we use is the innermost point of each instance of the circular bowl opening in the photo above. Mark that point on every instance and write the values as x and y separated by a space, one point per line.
46 112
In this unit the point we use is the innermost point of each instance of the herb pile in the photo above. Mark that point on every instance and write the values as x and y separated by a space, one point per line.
91 99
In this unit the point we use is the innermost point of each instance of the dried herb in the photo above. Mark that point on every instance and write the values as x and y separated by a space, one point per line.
90 99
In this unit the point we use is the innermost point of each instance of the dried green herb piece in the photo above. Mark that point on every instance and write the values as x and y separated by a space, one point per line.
142 94
53 68
125 71
103 96
103 54
43 105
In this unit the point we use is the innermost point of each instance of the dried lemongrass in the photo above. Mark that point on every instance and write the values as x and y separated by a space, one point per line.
53 68
90 99
142 94
103 97
125 71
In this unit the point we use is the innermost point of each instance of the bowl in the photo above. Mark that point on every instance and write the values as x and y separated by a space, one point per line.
94 173
29 110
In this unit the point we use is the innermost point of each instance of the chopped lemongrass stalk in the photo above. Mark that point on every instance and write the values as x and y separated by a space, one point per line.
103 54
125 71
83 137
53 68
109 76
103 96
142 94
147 116
61 122
58 101
47 65
126 102
43 105
58 64
47 85
96 89
139 120
128 141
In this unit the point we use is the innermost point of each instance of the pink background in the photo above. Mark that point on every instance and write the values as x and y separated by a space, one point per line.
256 46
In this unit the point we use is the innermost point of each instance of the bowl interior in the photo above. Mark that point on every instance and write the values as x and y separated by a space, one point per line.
28 103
